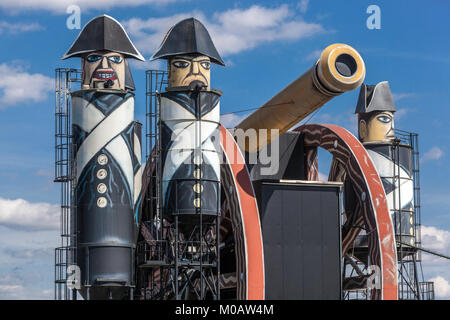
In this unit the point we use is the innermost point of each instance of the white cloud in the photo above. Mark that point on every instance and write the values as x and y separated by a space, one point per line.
147 65
436 239
400 96
9 288
230 120
10 291
60 6
313 55
434 153
23 215
240 30
14 286
441 287
232 31
24 253
14 28
27 258
436 269
303 5
400 113
17 85
48 294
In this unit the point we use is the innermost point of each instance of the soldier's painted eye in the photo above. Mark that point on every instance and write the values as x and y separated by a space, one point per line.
384 119
115 59
93 58
180 64
206 65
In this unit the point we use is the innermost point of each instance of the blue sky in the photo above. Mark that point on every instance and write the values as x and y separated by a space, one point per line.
266 45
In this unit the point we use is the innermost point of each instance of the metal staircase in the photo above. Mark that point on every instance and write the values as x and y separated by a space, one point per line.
65 82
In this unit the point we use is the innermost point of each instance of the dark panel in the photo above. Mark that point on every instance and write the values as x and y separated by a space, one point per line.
110 263
302 245
290 157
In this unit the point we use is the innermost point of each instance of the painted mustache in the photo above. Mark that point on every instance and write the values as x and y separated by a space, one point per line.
105 75
191 78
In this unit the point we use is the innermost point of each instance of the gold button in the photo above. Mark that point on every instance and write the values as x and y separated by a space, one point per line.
101 188
102 159
198 188
197 202
198 174
102 202
101 174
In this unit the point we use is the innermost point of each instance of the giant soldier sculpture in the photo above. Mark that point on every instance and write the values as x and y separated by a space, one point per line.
107 158
190 158
375 111
190 115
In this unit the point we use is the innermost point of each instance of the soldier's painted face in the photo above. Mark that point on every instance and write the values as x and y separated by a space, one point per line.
189 71
379 127
104 70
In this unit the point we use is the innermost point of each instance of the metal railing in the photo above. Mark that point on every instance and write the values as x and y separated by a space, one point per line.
410 273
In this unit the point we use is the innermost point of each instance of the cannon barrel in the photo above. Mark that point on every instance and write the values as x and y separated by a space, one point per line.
340 68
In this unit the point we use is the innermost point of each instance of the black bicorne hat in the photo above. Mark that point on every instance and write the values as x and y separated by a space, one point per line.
375 98
187 37
103 33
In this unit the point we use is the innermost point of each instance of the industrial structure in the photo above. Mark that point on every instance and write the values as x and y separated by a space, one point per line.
237 213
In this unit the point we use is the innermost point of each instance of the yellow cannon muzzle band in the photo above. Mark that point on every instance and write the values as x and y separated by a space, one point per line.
328 68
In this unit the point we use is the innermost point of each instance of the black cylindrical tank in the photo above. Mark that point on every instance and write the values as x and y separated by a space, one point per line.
394 165
107 162
190 155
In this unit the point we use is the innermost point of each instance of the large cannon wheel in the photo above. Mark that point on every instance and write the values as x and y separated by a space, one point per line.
242 264
366 210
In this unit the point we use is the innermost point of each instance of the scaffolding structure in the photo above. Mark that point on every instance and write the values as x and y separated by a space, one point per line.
152 254
411 284
172 264
66 80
